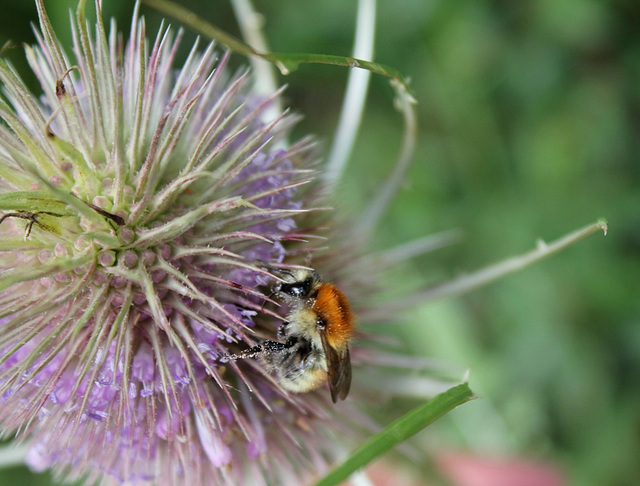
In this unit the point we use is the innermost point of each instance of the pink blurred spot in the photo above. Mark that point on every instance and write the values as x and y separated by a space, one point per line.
470 470
465 469
386 473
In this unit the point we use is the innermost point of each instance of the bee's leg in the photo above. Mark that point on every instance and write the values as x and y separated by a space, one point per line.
282 333
265 347
251 352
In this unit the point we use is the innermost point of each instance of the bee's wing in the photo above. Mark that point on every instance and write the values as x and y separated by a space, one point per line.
338 369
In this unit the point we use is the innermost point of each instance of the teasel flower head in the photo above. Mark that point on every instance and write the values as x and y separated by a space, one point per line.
139 200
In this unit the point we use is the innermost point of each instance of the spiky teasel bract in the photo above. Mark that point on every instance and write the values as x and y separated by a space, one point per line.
138 198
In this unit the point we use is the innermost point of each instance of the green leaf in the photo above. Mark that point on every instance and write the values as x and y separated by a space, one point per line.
399 431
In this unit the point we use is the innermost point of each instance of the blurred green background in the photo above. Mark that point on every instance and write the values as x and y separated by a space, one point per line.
529 115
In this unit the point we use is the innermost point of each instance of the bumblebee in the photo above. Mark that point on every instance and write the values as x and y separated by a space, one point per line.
312 346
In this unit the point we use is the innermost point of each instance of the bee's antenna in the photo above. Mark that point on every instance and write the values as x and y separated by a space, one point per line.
264 302
274 269
263 263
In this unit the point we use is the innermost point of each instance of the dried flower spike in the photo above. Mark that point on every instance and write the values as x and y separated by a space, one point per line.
137 198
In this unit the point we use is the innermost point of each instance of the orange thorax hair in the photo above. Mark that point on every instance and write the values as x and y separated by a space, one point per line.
333 308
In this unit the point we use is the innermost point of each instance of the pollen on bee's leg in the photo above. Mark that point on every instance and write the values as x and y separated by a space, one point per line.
272 347
266 347
282 330
251 352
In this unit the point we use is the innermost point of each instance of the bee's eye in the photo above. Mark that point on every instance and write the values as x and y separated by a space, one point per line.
296 289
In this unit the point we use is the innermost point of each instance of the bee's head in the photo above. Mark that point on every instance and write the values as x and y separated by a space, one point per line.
298 283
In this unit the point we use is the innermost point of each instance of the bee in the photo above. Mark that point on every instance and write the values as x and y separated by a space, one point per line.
312 346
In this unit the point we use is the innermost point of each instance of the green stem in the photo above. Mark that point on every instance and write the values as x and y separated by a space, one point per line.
286 62
472 281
